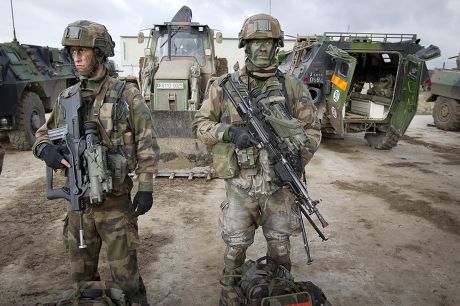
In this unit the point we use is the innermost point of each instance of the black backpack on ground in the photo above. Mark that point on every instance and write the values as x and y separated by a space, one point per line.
269 284
92 294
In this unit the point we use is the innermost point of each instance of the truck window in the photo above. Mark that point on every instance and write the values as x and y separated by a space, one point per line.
343 69
182 44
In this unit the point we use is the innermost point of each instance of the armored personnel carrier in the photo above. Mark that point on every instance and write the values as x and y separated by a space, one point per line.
362 82
31 78
445 93
179 65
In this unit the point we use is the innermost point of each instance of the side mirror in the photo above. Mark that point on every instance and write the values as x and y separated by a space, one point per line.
140 38
219 37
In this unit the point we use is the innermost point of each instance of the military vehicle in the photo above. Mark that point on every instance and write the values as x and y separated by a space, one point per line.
179 65
31 78
362 82
445 93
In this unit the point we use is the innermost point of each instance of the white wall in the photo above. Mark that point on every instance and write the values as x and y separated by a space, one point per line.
131 51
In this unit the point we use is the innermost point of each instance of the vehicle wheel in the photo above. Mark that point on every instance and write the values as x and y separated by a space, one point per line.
446 114
30 116
382 140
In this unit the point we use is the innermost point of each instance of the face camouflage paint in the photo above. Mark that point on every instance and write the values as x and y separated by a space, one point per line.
261 52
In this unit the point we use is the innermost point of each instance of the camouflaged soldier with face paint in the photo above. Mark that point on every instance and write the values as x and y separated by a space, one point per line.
125 127
253 199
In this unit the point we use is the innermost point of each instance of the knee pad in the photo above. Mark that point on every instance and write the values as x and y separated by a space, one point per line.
241 239
234 257
278 249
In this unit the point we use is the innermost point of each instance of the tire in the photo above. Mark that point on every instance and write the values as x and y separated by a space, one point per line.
29 117
383 140
446 114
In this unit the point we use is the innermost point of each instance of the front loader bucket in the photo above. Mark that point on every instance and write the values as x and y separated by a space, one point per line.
181 153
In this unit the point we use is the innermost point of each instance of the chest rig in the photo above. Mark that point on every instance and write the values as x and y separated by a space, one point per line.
274 88
110 111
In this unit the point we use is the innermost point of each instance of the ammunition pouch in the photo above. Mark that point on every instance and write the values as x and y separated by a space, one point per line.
118 165
247 157
224 160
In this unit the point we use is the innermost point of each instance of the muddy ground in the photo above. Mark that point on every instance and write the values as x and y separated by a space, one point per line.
394 234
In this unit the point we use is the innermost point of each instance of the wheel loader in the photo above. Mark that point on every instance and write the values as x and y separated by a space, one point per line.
178 66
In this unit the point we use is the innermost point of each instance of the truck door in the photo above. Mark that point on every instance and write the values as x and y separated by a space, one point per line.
344 67
406 109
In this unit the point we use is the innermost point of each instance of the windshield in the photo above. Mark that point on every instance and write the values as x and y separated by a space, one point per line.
182 44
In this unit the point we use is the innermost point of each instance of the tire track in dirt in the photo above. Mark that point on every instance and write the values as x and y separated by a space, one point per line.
402 202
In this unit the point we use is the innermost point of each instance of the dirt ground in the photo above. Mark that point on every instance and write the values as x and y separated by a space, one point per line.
394 234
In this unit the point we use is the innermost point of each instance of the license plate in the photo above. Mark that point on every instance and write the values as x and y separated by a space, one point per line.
162 85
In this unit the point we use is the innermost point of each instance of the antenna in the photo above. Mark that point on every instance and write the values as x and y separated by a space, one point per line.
12 17
270 6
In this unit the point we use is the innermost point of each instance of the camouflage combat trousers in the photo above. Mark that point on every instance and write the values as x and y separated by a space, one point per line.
110 223
243 213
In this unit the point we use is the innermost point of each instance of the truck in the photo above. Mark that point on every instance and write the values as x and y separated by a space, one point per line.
178 66
445 93
31 78
362 82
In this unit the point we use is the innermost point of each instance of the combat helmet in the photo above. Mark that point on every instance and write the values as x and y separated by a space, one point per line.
84 33
261 26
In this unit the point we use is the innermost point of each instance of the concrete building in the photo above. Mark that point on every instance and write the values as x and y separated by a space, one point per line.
131 51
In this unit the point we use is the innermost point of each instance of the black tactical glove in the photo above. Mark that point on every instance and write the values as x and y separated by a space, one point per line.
142 202
52 155
240 137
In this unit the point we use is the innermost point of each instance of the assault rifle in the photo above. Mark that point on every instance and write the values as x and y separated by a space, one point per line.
88 175
262 124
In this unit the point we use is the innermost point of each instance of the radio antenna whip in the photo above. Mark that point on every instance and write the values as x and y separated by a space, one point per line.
12 17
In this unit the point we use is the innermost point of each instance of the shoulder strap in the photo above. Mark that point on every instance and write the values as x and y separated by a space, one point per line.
119 87
112 96
100 100
282 80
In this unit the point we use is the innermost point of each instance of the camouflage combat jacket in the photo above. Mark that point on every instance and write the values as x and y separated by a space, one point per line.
130 135
217 114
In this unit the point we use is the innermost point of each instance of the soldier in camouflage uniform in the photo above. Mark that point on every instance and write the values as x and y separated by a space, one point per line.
253 199
125 127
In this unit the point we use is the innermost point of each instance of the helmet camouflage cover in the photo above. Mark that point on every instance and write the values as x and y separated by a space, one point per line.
261 26
84 33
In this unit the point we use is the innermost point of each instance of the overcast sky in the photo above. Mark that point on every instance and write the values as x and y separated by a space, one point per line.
437 22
